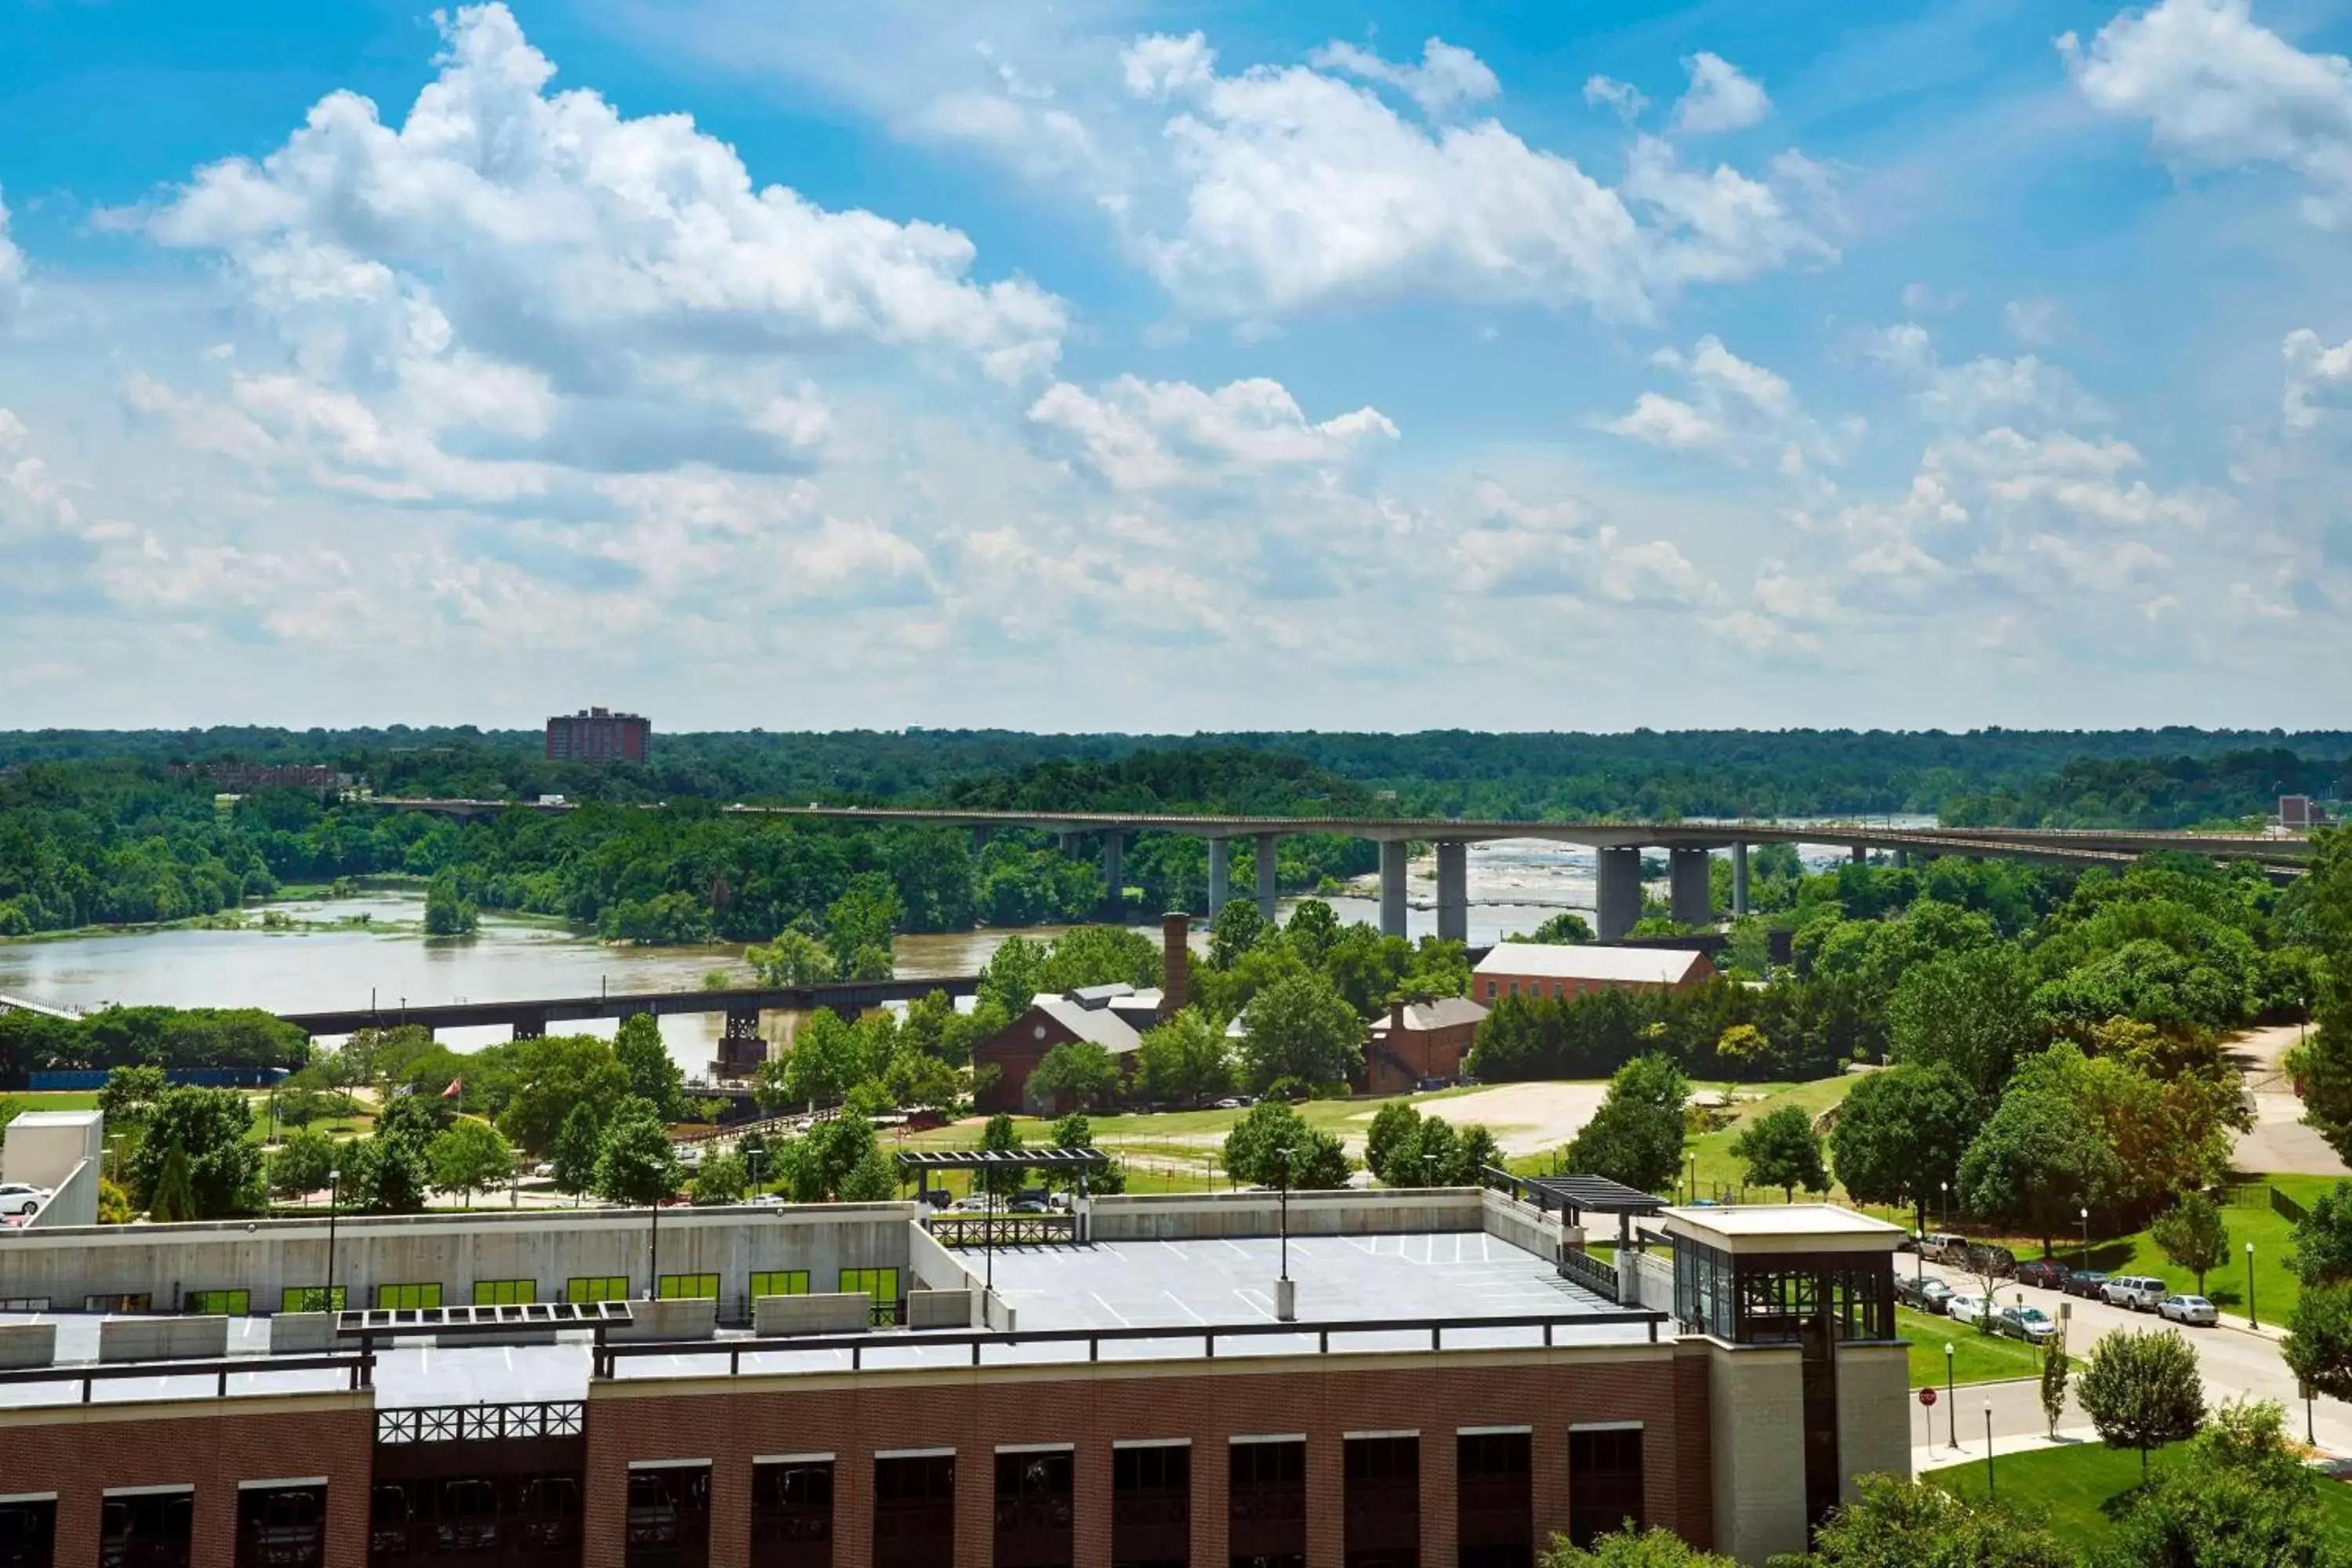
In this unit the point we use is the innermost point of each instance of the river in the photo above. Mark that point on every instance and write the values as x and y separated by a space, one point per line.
330 959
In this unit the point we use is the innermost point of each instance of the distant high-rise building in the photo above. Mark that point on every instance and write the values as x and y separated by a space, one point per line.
599 735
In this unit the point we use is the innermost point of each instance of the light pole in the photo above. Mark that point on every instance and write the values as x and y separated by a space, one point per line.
1918 1256
1283 1154
2086 1238
2253 1321
334 1196
1951 1398
1990 1495
1947 1205
1694 1178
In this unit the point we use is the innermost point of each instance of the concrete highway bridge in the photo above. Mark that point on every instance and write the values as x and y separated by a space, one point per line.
1618 902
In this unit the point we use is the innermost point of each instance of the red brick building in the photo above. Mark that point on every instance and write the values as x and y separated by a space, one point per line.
1559 970
1111 1016
1420 1040
599 735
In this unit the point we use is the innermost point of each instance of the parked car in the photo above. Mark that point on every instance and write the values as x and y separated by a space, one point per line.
1928 1295
1997 1261
1944 1247
2047 1273
1228 1103
1966 1309
2188 1310
2031 1324
20 1198
2140 1292
2085 1283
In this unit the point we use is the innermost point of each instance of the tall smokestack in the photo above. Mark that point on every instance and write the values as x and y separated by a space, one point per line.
1175 961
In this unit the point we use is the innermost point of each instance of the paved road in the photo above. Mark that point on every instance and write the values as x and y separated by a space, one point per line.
2278 1141
2238 1362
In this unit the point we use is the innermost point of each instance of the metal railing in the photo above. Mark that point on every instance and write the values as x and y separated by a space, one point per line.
1589 1271
607 1357
1004 1230
480 1423
360 1366
2287 1209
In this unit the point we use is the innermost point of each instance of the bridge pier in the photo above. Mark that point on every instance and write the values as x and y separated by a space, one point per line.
740 1048
1265 910
979 832
1114 875
1069 842
1902 859
532 1029
1739 879
1454 890
1617 893
1392 870
1221 874
1861 854
1687 890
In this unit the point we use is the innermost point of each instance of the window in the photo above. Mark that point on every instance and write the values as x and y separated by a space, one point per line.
1032 1509
406 1298
1381 1499
218 1303
792 1514
780 1282
139 1301
1494 1499
669 1517
1152 1506
914 1511
1490 990
1604 1481
689 1288
28 1533
505 1292
597 1287
150 1530
312 1299
281 1526
1266 1492
24 1304
882 1284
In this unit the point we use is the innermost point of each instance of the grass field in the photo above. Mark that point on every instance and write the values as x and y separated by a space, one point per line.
55 1100
1975 1357
2082 1487
1718 1167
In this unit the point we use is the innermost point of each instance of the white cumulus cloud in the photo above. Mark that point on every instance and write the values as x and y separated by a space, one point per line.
1719 97
1447 79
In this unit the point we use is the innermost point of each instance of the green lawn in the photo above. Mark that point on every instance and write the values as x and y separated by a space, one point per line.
2075 1486
57 1100
1975 1357
1716 1166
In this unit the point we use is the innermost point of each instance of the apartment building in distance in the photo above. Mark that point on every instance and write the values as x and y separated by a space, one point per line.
844 1384
599 735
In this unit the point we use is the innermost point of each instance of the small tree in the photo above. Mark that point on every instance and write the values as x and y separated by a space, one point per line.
128 1095
721 1180
1897 1522
2194 1236
2142 1391
1395 1126
467 1157
2318 1347
1253 1150
1742 1044
654 1077
1781 1149
302 1164
576 1148
2054 1368
173 1198
637 1164
1077 1075
1631 1547
1183 1061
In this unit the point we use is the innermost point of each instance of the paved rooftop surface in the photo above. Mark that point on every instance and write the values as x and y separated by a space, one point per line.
1179 1286
1782 1220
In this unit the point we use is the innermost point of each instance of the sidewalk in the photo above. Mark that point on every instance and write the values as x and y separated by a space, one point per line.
1943 1457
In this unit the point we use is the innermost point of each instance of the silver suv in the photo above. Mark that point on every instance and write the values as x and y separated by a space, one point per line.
2140 1292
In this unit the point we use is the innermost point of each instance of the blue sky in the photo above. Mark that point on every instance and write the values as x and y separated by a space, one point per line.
1176 366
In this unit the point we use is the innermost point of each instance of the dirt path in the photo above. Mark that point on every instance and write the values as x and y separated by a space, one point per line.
2279 1144
1525 1118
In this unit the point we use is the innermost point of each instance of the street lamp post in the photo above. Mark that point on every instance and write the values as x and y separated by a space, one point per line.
1951 1398
1285 1293
1990 1494
2253 1319
1918 1256
2086 1238
1947 1205
334 1196
1694 1178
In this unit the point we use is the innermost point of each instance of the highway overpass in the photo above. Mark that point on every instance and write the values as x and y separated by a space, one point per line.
1618 900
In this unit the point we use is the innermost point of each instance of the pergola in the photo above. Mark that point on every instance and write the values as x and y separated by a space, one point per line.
921 1162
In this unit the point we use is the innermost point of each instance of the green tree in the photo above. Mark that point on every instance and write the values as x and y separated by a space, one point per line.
212 1128
859 926
2323 1239
2322 1065
172 1198
2239 1498
1896 1522
1075 1131
721 1180
1301 1028
918 1080
468 1157
823 1165
2037 1162
637 1164
2194 1236
1743 1044
553 1076
654 1077
302 1164
1781 1149
390 1170
1971 1011
999 1135
2055 1369
113 1205
825 1062
870 1181
1183 1061
1636 1135
1311 931
2318 1347
577 1145
447 910
1395 1127
1077 1075
1254 1150
128 1097
1565 929
1238 928
1899 1135
1097 955
2142 1391
794 958
1631 1547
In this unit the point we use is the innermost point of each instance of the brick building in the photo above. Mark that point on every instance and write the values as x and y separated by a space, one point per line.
599 735
1420 1041
1102 1393
1559 970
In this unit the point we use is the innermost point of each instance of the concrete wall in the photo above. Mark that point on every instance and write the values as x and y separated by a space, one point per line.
940 1310
74 1201
1654 1280
1756 1424
1189 1217
301 1333
668 1321
1874 1413
27 1344
1523 1225
270 1256
162 1339
843 1312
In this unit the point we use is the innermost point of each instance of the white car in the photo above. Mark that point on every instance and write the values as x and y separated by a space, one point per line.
2188 1310
17 1197
1966 1309
2140 1292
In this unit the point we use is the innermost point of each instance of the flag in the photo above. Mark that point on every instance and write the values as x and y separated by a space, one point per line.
456 1084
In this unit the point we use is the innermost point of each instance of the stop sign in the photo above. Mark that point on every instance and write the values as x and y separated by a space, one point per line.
1926 1396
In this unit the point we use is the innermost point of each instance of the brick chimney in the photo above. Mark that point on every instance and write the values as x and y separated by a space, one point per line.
1175 961
1396 1020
